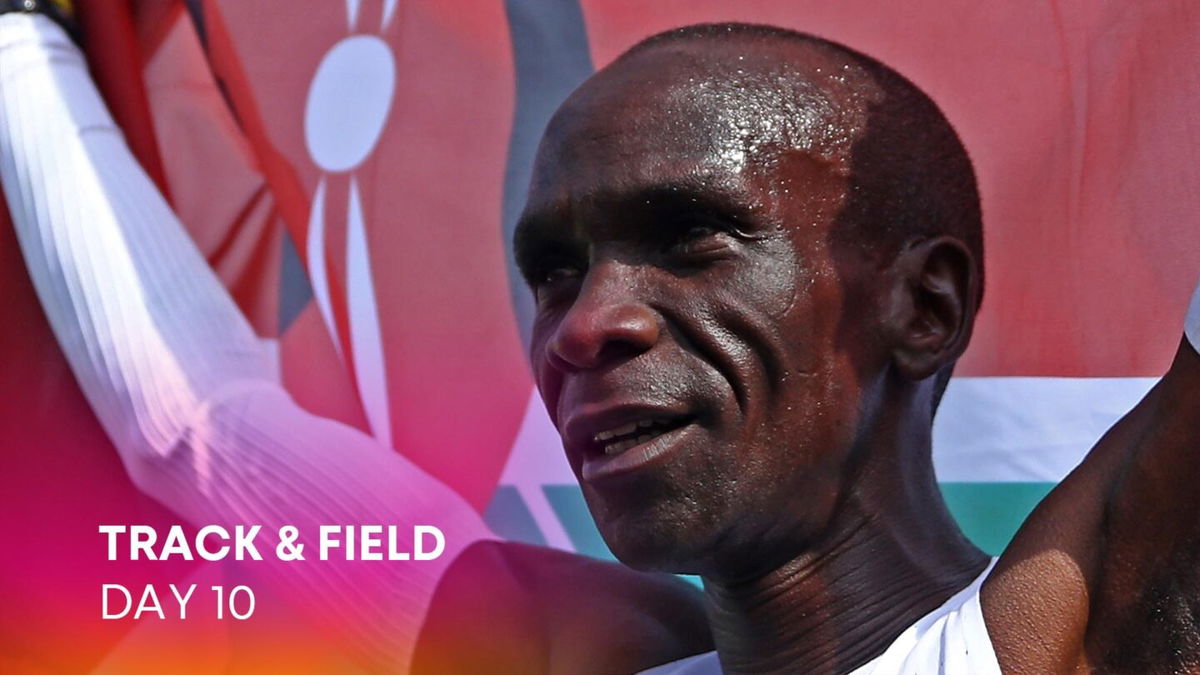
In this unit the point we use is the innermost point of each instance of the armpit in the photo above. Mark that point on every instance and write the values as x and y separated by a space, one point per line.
1156 630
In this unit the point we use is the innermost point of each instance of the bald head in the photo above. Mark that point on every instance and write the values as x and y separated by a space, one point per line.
739 100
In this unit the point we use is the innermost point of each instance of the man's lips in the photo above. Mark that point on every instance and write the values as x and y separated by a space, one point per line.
615 441
597 440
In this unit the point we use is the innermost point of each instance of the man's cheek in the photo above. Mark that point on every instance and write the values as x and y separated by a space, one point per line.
547 379
780 282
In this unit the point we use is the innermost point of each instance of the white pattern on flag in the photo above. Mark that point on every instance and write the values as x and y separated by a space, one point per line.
366 339
316 264
1029 429
389 8
352 13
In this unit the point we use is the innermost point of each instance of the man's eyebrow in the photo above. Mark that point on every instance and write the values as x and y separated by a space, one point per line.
534 221
699 194
700 191
548 227
534 237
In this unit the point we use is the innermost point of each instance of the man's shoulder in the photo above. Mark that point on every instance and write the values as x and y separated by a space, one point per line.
510 607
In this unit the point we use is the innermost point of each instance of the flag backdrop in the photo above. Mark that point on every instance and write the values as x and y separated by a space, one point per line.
353 170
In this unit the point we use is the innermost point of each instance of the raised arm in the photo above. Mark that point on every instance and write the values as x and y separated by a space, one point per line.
175 373
1105 574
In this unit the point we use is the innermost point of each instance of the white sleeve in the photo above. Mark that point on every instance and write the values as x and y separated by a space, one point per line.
174 371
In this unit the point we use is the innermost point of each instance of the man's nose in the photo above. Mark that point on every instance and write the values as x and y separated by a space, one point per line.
607 322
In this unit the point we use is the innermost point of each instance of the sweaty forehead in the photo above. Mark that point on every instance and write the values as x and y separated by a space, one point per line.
695 108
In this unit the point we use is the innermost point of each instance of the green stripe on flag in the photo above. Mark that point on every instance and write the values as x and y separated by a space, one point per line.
991 513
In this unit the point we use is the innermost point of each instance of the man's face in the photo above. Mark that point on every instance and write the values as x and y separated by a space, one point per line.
689 341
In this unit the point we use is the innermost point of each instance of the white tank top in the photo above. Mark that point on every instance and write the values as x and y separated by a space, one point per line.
950 640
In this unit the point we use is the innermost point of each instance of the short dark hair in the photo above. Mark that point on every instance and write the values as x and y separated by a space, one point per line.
910 175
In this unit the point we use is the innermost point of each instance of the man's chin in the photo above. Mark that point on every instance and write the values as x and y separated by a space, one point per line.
651 524
653 548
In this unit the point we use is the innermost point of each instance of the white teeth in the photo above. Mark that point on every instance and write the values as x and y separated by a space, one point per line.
619 431
622 446
619 447
627 429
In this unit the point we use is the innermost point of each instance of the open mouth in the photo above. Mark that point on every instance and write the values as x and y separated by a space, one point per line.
619 439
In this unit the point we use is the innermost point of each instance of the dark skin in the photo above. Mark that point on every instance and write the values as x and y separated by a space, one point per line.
781 386
504 607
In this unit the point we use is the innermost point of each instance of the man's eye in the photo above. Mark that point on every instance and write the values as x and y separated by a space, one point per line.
553 280
698 239
699 232
558 274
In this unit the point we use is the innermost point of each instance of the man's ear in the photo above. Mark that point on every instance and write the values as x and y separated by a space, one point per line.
933 300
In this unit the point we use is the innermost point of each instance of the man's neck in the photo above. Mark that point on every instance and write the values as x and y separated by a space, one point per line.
894 554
